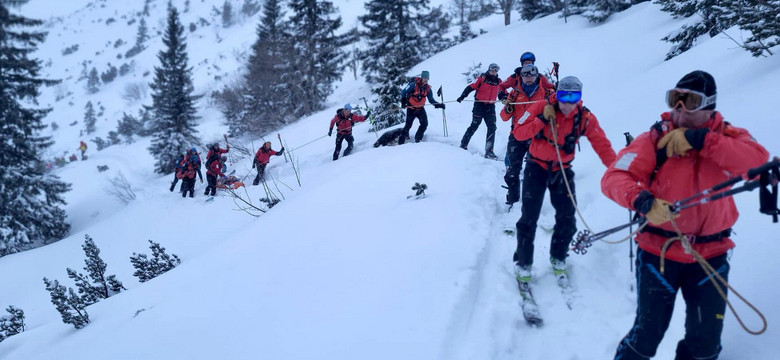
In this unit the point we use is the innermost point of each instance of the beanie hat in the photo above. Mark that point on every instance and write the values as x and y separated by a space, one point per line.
700 81
570 83
425 75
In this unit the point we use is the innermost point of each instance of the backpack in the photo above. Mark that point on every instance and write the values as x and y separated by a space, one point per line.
211 159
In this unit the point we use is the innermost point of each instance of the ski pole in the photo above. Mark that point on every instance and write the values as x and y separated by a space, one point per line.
443 114
371 120
280 143
629 139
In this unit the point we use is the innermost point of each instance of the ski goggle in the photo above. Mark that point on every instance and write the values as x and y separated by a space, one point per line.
691 100
569 97
529 73
493 67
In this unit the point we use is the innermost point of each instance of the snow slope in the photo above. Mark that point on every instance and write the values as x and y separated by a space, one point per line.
346 267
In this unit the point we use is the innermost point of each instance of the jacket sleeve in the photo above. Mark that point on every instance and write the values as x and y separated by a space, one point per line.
734 150
599 141
430 97
333 122
630 173
358 118
529 124
507 84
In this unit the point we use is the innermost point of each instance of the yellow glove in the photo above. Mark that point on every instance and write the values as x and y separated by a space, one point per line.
675 143
549 112
660 212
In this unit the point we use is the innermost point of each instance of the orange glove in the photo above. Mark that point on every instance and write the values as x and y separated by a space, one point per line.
675 143
660 212
549 112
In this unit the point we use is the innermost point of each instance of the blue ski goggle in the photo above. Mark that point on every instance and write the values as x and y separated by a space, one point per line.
569 97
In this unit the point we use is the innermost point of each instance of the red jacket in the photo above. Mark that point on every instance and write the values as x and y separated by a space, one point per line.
543 152
187 171
263 156
728 151
215 169
487 88
219 151
344 124
514 80
520 109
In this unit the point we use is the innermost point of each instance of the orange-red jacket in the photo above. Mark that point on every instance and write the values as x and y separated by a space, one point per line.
215 168
544 153
486 87
520 109
416 93
344 124
728 151
263 156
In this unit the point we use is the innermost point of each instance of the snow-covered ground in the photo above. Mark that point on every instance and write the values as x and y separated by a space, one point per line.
346 267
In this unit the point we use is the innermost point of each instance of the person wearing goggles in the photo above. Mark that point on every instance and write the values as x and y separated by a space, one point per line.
514 81
690 149
484 109
549 161
519 100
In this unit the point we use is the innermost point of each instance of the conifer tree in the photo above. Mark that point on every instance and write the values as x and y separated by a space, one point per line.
70 306
173 102
128 126
95 285
11 324
708 19
395 44
29 198
534 9
227 14
265 93
89 118
762 20
318 59
250 8
93 81
160 263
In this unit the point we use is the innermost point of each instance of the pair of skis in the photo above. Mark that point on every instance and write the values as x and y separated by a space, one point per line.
530 309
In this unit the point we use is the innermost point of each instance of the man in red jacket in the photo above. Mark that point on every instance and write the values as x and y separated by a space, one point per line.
689 150
344 120
546 168
213 169
484 108
262 158
413 100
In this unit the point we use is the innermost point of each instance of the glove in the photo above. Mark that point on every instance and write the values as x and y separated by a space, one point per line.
502 96
460 99
281 151
330 133
368 114
548 113
695 137
656 211
404 103
439 106
676 142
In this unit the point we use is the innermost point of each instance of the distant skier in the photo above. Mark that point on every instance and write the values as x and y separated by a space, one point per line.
83 148
177 164
484 108
213 169
344 120
413 99
262 158
187 174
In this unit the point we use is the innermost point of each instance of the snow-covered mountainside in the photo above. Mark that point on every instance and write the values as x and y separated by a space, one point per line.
346 266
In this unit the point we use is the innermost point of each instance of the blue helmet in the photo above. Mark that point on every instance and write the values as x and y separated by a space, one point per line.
194 150
348 106
527 56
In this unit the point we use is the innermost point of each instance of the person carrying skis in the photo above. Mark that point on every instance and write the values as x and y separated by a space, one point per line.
177 164
529 92
550 159
344 120
413 99
262 157
690 149
213 169
484 108
83 148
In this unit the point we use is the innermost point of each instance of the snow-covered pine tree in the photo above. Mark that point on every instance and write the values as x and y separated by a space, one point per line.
89 118
706 18
95 285
250 7
534 9
436 26
93 81
598 11
265 95
395 44
318 58
128 126
70 306
461 9
11 324
227 14
147 269
762 20
30 197
173 103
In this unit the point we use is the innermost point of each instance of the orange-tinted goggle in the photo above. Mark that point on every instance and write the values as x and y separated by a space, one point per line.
691 100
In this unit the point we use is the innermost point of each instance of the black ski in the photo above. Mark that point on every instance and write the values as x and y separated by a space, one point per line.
530 309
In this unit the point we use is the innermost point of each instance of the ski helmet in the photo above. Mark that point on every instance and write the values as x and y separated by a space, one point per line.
348 106
194 150
527 56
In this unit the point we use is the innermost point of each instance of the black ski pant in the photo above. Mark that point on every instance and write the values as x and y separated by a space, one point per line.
704 308
339 139
187 184
175 180
536 180
515 153
260 173
212 185
480 112
412 114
